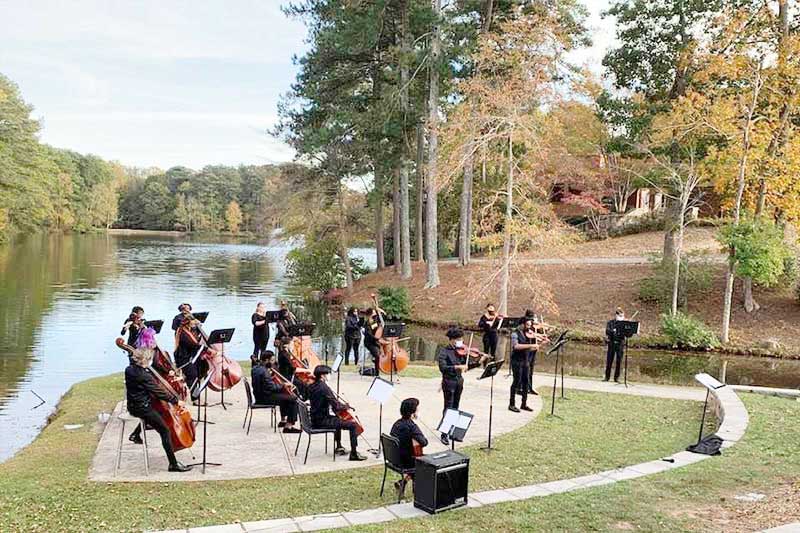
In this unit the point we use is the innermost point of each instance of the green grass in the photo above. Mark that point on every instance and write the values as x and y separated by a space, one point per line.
45 487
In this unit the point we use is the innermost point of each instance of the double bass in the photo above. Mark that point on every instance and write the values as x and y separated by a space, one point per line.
178 419
393 358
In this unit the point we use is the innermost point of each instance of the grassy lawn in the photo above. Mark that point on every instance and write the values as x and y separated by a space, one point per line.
45 487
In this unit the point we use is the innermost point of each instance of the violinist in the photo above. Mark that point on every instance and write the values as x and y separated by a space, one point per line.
533 334
407 432
178 319
269 392
522 343
352 334
260 332
324 403
140 386
452 365
133 325
615 345
489 323
373 336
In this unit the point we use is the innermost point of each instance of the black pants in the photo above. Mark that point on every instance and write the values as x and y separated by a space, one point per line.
190 371
286 403
154 420
375 352
521 372
614 351
451 392
351 343
260 345
490 343
338 424
531 367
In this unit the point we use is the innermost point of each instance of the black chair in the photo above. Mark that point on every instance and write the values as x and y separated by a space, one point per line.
252 405
305 425
391 459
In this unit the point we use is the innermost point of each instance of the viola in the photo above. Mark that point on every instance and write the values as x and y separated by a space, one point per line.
178 419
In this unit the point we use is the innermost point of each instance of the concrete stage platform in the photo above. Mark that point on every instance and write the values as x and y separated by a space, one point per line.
265 453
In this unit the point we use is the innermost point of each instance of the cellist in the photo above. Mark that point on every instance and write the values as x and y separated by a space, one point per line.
410 438
324 403
140 386
268 392
188 341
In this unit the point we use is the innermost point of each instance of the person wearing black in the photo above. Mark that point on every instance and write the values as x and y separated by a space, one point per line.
407 432
140 386
183 309
260 332
522 342
323 404
282 339
615 343
372 337
352 334
451 365
529 314
489 324
133 325
268 392
188 342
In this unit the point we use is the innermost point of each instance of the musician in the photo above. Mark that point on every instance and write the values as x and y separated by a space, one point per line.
324 403
522 342
188 341
451 365
532 333
489 324
268 392
352 334
133 325
406 431
140 386
183 309
372 336
282 340
615 343
260 332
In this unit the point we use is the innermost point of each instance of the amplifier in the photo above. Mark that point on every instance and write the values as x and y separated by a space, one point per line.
441 481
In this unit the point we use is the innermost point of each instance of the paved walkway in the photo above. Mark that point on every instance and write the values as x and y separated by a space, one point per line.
543 261
733 423
787 528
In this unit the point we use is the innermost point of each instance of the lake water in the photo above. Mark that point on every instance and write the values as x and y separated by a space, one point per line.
64 299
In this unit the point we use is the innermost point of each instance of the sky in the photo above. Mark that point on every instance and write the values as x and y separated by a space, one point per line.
165 83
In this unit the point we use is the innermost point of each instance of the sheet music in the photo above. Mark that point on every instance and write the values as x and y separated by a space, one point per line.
337 363
463 422
450 419
380 390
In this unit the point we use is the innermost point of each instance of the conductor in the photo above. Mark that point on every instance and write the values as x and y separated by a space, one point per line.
615 340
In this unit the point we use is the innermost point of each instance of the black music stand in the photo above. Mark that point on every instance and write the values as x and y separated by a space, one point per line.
627 328
393 331
457 424
155 324
510 323
272 316
557 349
203 389
201 316
490 372
302 329
221 336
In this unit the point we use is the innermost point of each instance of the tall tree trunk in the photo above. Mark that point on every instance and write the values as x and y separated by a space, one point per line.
505 274
396 247
678 248
465 214
432 232
419 236
487 16
405 223
379 225
343 241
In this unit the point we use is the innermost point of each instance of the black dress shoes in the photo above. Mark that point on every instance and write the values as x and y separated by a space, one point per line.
355 456
179 467
513 408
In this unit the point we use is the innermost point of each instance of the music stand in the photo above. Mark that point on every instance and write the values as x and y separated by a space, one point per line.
380 391
393 331
203 389
509 324
337 367
557 349
489 372
155 324
201 316
302 329
272 316
628 329
455 425
221 336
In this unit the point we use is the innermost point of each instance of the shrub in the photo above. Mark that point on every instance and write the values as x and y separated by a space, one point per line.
395 301
695 279
790 271
688 332
317 266
760 252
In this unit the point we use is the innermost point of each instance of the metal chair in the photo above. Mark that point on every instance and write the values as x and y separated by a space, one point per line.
391 459
252 405
125 417
305 425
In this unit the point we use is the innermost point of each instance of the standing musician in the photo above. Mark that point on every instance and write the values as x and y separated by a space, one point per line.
140 385
451 365
490 324
352 334
260 332
523 342
187 343
537 337
323 404
178 319
408 434
615 342
373 338
133 325
282 340
269 392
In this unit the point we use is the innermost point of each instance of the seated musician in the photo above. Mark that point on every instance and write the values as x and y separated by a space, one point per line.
146 340
140 386
324 405
268 392
407 432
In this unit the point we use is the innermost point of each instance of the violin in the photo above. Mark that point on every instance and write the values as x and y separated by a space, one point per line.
177 418
468 352
393 358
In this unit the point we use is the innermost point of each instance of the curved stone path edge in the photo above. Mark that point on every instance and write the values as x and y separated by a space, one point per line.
733 421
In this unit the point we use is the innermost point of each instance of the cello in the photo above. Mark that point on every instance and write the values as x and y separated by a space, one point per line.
163 364
393 359
177 418
227 372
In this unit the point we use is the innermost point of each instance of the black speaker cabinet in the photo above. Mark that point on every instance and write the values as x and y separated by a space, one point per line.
441 481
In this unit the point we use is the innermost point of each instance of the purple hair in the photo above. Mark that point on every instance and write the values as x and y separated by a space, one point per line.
146 339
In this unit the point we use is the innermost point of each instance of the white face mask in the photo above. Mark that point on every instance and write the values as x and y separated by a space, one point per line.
459 344
620 317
